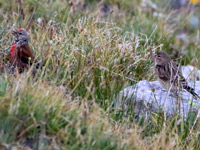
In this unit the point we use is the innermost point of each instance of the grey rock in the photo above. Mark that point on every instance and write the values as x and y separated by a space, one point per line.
194 22
146 96
177 4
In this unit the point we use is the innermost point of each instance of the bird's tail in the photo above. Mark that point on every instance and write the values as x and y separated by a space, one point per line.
191 90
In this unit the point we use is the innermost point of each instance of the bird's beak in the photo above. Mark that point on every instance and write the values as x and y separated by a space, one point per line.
14 32
154 55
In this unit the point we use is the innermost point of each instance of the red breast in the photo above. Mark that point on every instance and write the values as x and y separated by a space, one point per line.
12 50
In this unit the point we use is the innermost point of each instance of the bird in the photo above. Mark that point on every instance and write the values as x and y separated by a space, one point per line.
20 55
169 74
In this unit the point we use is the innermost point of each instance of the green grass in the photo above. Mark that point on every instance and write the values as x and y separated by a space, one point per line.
87 61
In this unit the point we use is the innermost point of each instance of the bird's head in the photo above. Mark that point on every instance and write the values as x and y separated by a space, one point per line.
21 36
162 58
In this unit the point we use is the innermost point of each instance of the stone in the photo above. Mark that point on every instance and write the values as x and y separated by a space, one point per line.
149 96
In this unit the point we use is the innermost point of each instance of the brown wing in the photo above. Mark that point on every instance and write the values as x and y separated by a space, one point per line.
23 57
25 54
163 72
176 75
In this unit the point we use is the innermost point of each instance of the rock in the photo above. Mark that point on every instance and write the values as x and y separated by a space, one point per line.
177 4
39 20
156 14
149 3
182 38
146 96
194 22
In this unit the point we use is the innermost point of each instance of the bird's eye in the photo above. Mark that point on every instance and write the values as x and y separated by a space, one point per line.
158 55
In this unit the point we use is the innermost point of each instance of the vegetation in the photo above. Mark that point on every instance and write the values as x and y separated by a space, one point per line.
88 56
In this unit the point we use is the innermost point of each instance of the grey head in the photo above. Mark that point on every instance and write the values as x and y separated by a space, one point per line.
21 37
162 58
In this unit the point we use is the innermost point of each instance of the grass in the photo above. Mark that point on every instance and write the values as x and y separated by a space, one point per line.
87 61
